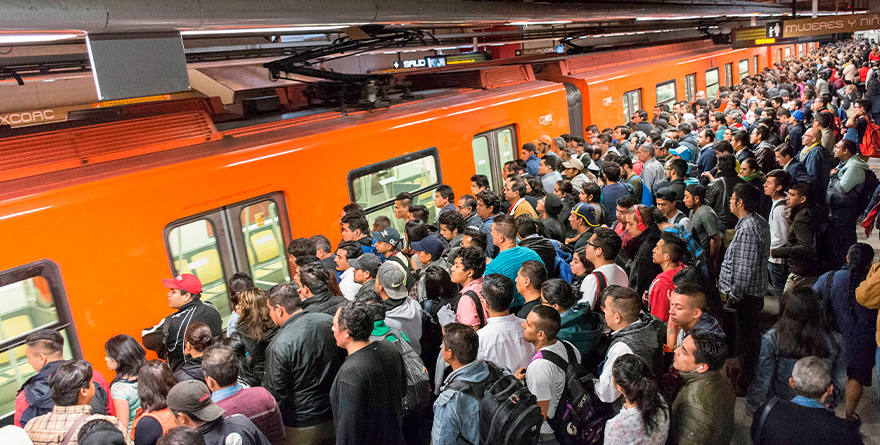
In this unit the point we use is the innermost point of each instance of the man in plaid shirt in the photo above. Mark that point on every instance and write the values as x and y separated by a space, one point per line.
72 390
744 276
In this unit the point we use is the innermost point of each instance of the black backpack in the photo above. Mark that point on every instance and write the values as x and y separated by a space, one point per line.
509 413
580 416
418 390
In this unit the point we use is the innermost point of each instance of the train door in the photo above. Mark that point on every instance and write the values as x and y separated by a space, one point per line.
575 109
248 236
491 150
632 102
690 87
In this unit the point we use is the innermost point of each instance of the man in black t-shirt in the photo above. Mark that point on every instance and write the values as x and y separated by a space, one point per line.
367 395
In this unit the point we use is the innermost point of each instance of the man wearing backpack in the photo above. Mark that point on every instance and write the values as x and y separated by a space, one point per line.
457 415
601 250
543 378
849 189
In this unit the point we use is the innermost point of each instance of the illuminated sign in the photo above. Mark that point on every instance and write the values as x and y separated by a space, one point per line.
831 25
765 41
24 118
136 100
411 63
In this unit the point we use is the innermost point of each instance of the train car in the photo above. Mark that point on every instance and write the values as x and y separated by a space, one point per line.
92 216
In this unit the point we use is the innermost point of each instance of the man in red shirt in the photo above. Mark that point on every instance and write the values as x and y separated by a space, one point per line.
667 255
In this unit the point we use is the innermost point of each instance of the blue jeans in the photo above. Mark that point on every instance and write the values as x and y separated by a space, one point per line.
778 275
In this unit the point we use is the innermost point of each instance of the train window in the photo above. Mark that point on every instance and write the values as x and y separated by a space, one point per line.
491 150
261 229
711 83
690 87
666 92
800 49
778 55
632 102
375 186
743 69
33 298
195 250
755 64
787 53
728 74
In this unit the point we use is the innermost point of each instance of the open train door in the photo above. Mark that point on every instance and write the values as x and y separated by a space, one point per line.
491 150
575 109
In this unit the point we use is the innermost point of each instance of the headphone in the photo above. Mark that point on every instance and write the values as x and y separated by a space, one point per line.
641 226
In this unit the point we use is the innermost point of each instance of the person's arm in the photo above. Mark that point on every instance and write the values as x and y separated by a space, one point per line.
154 338
605 386
760 387
276 376
348 417
672 331
447 423
868 293
805 236
121 406
850 178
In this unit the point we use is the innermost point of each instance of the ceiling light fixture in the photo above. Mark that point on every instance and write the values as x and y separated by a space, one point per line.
208 32
556 22
6 39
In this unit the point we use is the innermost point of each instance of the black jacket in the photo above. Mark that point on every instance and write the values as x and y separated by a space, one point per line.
166 338
800 247
301 363
322 302
554 229
544 248
790 423
253 368
217 431
39 396
718 194
641 269
191 370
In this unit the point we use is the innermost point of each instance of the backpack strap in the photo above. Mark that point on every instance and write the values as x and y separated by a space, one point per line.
763 418
68 436
555 359
478 305
601 282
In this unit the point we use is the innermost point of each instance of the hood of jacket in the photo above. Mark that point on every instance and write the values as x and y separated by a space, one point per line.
853 163
322 302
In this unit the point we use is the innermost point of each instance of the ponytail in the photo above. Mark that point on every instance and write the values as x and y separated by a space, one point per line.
634 378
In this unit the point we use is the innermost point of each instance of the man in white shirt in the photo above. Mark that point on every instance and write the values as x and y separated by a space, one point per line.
501 340
601 250
346 250
544 379
774 186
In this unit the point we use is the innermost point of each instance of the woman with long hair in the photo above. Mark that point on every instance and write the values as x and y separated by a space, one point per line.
857 324
644 418
802 331
155 380
238 283
580 267
256 330
318 289
196 340
125 356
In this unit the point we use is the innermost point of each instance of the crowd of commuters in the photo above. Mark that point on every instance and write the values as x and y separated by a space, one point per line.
640 255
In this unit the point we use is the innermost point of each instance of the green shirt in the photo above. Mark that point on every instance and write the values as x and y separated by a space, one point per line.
705 225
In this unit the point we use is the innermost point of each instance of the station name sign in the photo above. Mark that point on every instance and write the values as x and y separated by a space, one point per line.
834 24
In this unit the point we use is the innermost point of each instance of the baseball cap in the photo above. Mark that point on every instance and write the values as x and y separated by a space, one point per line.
389 235
587 212
798 115
193 397
678 151
393 280
369 262
431 244
545 139
574 163
186 281
552 205
666 194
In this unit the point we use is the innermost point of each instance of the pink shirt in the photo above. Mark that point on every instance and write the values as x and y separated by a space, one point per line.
467 311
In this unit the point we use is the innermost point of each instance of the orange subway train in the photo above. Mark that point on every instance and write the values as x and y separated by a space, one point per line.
94 212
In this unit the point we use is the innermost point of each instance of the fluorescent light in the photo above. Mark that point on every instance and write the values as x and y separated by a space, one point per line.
556 22
34 38
206 32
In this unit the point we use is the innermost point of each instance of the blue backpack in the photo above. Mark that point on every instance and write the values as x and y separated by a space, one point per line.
561 263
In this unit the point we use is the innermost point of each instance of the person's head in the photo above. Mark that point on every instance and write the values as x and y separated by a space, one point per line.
255 320
745 198
810 378
603 246
633 378
621 306
381 222
694 196
776 182
676 168
479 183
666 199
42 347
240 282
558 294
784 154
687 303
467 264
845 149
638 219
437 282
747 167
99 432
365 267
583 217
531 275
197 338
460 344
474 238
487 204
429 249
541 325
859 259
548 165
155 380
452 224
190 402
528 149
352 323
353 209
669 249
443 196
811 136
504 231
71 384
347 250
354 227
182 289
182 435
301 247
401 203
467 205
124 355
645 152
322 245
700 352
590 192
283 300
391 282
498 292
220 367
624 203
611 172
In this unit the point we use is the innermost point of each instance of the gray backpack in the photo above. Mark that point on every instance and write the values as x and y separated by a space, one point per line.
418 382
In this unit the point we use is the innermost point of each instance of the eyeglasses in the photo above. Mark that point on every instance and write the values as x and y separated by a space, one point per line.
590 243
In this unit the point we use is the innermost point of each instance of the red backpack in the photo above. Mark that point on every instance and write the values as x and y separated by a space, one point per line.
871 140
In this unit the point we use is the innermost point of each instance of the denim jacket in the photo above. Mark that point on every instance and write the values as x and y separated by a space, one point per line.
457 415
